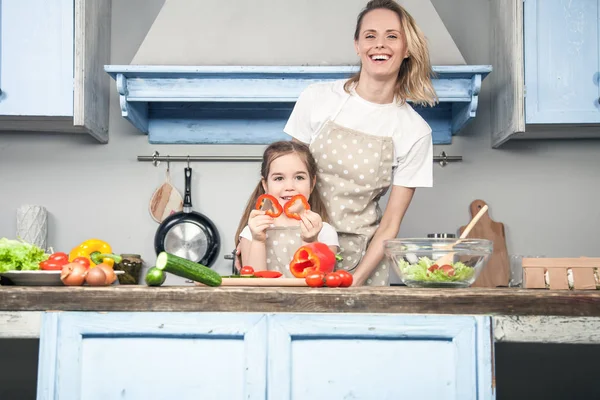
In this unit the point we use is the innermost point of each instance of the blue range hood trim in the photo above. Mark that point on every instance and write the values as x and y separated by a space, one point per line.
251 104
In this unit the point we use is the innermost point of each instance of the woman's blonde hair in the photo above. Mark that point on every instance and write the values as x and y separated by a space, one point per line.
414 78
273 152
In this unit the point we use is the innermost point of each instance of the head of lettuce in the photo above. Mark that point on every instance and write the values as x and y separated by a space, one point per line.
16 255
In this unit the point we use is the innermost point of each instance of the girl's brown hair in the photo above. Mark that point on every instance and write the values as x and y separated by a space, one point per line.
273 152
414 78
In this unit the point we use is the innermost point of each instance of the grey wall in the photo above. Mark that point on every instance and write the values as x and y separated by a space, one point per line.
545 192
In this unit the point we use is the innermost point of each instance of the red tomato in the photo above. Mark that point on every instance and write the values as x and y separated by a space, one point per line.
346 277
433 268
51 265
247 270
448 269
315 280
83 261
332 279
60 257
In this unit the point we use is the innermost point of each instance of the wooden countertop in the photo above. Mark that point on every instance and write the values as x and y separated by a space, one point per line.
508 302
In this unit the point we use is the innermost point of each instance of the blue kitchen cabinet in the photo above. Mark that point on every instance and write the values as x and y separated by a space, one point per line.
88 355
562 61
51 58
144 356
379 357
546 59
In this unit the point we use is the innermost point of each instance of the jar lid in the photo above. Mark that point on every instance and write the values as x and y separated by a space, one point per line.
131 256
441 235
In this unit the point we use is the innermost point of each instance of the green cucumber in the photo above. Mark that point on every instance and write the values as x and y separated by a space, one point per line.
155 277
187 269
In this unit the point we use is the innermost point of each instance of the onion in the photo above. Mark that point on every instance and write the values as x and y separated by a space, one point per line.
95 277
109 272
73 274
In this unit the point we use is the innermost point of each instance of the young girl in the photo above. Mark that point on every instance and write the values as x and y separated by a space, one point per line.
288 169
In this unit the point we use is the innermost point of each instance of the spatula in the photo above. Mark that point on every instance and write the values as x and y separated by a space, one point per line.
447 259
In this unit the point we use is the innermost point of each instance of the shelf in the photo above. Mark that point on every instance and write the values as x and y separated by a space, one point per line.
251 104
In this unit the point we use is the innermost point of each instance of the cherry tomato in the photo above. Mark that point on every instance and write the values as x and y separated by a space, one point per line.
332 279
448 269
434 267
51 265
346 277
247 270
316 279
83 261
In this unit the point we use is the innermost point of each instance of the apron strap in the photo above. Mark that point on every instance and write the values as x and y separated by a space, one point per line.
334 116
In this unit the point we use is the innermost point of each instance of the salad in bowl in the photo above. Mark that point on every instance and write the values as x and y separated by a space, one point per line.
435 262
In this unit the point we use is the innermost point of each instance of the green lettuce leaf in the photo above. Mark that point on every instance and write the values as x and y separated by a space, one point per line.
419 271
20 256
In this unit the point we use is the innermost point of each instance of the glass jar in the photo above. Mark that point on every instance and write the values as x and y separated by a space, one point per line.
131 264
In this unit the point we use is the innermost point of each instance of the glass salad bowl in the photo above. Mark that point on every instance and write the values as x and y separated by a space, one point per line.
416 260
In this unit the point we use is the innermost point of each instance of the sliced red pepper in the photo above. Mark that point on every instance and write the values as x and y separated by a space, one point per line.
261 201
313 257
292 203
267 274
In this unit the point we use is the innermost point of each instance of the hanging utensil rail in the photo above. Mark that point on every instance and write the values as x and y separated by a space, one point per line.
156 158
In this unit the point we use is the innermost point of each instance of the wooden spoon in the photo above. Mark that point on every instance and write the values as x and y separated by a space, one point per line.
447 259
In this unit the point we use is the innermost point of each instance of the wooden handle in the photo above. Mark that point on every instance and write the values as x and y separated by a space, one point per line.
447 258
474 221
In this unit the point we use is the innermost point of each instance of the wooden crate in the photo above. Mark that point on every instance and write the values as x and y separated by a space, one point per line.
561 273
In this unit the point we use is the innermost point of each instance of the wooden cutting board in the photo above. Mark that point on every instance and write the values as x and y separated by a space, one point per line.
497 271
264 282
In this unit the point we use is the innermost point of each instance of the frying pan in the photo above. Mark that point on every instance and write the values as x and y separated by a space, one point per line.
188 234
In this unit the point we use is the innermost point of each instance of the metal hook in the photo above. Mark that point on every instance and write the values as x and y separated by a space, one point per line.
444 159
168 163
188 160
155 160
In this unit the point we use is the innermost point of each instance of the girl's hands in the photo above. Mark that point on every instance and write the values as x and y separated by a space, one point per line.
258 224
310 226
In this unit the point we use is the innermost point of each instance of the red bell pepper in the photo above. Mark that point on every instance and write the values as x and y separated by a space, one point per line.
292 203
260 202
267 274
55 262
313 257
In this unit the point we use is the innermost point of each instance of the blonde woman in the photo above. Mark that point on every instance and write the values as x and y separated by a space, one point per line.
365 137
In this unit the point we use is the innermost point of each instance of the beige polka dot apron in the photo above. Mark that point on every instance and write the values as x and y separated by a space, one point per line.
281 244
354 171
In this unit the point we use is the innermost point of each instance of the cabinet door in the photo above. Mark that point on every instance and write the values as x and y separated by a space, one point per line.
562 61
379 357
152 356
36 57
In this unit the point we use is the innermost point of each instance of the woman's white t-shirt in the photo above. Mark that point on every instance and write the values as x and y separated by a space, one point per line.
411 135
328 235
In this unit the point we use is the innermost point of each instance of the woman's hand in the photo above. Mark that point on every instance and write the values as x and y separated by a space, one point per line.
258 224
310 226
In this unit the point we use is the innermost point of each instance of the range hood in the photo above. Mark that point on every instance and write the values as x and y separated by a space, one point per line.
260 61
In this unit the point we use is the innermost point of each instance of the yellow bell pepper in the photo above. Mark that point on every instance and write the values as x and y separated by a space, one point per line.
95 250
